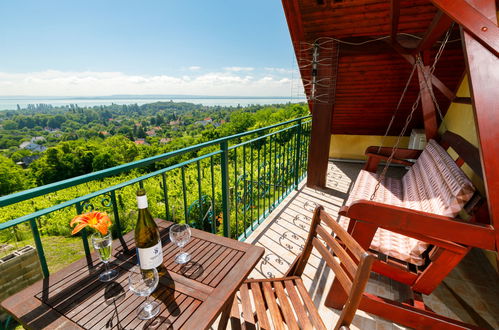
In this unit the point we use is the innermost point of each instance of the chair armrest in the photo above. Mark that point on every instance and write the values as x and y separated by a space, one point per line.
421 225
400 156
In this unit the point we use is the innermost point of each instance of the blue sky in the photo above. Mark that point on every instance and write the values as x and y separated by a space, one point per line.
145 47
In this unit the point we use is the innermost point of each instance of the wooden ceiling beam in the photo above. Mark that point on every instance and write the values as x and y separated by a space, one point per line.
440 24
473 21
295 26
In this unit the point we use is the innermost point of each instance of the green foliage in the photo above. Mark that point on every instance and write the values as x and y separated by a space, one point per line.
82 155
12 177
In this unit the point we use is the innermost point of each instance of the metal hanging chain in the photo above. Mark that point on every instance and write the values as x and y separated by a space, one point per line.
398 106
414 107
395 147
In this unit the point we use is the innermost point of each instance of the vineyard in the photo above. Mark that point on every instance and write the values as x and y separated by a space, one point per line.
226 186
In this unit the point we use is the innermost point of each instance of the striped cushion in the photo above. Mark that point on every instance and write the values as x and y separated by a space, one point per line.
434 184
389 192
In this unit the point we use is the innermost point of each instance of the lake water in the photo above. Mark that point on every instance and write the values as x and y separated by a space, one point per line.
7 103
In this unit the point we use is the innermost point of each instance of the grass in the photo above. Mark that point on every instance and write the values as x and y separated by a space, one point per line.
59 251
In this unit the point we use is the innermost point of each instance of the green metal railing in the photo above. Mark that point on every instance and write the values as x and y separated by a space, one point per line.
226 186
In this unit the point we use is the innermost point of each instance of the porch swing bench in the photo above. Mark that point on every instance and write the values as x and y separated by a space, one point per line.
415 221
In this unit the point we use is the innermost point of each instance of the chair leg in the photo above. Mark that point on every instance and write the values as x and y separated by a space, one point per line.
235 316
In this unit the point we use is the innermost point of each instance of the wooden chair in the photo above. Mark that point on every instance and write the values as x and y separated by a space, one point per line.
287 299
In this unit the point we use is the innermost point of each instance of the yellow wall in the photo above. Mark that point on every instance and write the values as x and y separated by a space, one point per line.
354 146
460 120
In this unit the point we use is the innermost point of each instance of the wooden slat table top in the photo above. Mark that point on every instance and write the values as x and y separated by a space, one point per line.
191 296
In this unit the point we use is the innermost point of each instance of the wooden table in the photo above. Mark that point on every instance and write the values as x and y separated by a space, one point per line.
191 296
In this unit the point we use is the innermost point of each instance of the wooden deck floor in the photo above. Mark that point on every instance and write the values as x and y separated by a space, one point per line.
470 293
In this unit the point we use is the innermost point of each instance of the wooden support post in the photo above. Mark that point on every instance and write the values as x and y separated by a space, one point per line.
429 115
321 112
320 140
437 270
483 74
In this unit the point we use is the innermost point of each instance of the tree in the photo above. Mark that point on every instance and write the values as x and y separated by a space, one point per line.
103 161
9 124
12 177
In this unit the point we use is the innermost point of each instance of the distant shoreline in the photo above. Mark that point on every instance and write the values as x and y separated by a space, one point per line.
11 102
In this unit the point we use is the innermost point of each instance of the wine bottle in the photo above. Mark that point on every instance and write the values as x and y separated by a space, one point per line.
147 239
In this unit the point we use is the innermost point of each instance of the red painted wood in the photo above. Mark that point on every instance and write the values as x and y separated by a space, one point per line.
475 20
408 315
429 112
437 270
371 76
483 78
321 119
440 24
408 221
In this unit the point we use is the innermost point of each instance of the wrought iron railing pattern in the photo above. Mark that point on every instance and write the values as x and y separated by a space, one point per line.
226 186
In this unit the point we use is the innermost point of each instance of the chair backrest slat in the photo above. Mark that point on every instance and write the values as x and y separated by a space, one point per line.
354 265
348 263
345 280
345 237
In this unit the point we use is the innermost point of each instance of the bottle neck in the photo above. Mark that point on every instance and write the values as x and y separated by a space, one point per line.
142 202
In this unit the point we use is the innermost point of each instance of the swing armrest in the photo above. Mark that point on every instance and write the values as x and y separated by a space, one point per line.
400 157
421 225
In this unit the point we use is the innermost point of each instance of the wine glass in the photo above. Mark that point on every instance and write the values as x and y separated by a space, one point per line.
143 282
180 234
104 246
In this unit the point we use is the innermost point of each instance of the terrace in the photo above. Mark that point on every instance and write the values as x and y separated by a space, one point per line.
357 76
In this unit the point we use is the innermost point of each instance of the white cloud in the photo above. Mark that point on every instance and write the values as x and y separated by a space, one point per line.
194 68
238 68
86 83
281 70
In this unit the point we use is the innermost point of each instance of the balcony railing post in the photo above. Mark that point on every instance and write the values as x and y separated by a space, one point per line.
39 248
224 146
297 153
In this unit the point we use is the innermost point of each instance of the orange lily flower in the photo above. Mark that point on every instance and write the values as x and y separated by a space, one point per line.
97 220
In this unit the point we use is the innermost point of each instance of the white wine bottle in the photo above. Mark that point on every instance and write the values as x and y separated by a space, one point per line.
147 239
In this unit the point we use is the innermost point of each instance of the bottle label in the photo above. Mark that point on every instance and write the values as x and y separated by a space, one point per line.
150 257
142 202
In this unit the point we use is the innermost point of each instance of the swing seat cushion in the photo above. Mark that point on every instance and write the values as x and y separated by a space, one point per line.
434 184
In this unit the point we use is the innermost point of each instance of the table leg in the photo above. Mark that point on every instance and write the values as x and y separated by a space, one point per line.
226 313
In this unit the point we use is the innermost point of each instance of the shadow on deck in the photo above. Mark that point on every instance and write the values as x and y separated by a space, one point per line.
469 293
